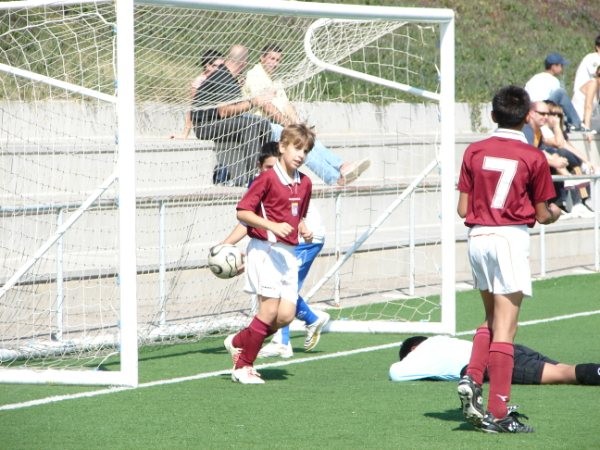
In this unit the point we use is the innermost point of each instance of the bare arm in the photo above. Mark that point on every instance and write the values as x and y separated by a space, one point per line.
281 229
557 139
463 202
236 235
580 154
235 109
275 115
547 213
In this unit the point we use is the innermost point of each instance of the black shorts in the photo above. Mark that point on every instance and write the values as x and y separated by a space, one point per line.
529 365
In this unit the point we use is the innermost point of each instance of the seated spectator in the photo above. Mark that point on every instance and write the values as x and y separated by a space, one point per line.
219 114
546 86
560 160
555 140
210 61
586 71
554 134
280 111
445 358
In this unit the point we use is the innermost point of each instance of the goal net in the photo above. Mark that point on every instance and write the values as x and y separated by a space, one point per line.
97 160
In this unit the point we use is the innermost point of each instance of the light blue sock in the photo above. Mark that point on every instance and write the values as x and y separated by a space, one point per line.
285 335
304 313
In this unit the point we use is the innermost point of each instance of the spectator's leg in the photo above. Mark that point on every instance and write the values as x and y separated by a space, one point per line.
244 136
257 133
214 132
561 97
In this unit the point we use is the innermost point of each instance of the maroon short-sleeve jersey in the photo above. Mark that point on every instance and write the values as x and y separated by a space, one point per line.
278 198
504 177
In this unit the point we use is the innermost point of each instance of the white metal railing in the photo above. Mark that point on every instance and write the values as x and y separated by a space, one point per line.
595 189
161 266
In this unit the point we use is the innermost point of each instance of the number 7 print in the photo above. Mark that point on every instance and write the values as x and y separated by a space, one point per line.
507 169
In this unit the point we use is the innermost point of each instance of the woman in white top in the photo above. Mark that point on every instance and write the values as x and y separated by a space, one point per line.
586 98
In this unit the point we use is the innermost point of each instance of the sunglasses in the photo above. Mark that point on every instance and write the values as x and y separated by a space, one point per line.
557 114
543 113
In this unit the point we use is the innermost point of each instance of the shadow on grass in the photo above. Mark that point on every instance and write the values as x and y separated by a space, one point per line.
271 374
451 415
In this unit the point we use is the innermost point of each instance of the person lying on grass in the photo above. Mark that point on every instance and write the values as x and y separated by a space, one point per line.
445 358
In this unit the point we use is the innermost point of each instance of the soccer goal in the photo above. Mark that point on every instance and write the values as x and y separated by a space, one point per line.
108 209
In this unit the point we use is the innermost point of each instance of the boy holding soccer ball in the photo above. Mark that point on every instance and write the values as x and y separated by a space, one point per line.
306 253
504 186
273 210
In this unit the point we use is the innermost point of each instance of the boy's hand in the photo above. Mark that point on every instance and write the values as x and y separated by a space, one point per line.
281 229
306 234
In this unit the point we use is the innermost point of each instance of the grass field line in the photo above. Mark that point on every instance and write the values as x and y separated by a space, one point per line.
200 376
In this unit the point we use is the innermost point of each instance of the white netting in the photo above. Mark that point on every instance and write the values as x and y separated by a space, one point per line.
57 141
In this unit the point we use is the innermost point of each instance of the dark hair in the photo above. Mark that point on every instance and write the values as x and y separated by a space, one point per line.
267 150
510 106
597 41
408 344
275 48
210 56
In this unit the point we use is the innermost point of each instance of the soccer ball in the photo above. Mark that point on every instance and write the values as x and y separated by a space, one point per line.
224 260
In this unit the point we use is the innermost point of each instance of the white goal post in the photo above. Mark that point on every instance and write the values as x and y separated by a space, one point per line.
107 211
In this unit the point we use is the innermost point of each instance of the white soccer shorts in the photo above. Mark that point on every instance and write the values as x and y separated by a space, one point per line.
499 258
271 270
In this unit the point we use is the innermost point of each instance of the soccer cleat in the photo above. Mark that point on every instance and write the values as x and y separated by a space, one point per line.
246 375
313 331
275 349
471 400
508 424
353 170
233 351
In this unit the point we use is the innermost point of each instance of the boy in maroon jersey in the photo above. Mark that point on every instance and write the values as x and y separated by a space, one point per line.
273 209
504 186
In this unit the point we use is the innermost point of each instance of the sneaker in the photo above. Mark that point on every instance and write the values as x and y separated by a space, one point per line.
582 129
579 210
509 424
351 171
313 331
233 351
246 375
275 349
471 400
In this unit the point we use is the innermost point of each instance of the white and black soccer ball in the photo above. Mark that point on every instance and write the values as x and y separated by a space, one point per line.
224 260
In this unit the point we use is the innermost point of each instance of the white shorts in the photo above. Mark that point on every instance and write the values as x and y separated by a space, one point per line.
271 270
499 258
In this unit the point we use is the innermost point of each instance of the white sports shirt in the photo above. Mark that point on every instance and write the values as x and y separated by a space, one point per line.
438 357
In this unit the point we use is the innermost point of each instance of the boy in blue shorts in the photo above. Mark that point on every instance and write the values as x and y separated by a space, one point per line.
273 210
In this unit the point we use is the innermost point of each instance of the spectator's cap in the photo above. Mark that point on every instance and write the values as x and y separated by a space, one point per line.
555 58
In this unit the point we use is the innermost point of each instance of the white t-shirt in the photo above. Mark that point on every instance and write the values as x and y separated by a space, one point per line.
585 72
438 357
541 85
258 82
